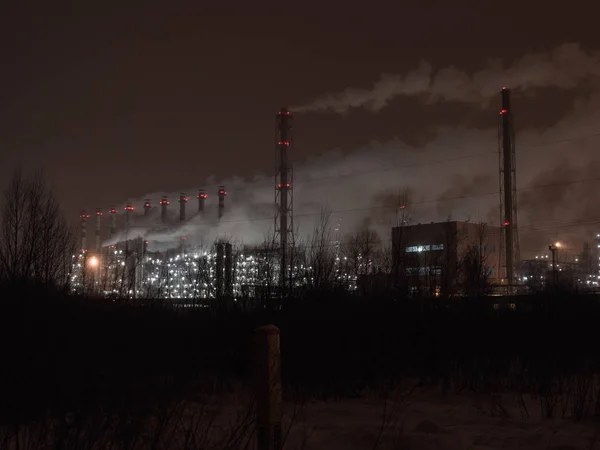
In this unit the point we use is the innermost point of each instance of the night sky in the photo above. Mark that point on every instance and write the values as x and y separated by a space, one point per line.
116 103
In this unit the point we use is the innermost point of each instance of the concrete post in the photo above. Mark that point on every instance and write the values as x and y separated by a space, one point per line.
268 388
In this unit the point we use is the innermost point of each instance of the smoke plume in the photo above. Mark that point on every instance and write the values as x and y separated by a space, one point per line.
564 68
453 175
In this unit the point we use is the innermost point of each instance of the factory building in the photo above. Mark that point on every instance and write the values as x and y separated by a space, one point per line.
445 259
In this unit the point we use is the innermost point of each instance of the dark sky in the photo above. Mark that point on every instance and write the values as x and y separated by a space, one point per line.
116 102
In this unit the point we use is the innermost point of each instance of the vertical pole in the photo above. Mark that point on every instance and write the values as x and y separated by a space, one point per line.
219 269
268 388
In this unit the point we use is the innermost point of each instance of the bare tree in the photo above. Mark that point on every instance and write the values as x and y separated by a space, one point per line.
319 252
475 268
36 244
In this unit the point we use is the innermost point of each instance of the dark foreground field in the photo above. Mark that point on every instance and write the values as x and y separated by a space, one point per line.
80 373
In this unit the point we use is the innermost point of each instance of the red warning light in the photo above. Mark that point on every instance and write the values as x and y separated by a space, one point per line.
98 213
287 185
183 238
113 210
129 208
146 205
503 112
203 195
286 143
222 192
146 242
164 202
402 207
506 223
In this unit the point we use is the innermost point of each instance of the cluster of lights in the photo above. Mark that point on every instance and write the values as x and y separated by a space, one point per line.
193 275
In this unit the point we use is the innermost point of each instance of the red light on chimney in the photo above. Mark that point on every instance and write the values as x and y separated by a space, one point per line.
146 242
202 195
402 207
113 211
183 238
281 186
98 213
146 205
506 223
503 112
222 192
129 208
286 143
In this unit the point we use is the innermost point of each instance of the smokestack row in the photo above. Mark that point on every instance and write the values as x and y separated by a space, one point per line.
129 208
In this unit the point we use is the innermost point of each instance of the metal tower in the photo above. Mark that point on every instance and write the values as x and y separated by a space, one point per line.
201 199
508 192
284 215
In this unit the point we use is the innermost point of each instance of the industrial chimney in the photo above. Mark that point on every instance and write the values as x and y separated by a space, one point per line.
182 201
128 212
147 207
98 243
222 194
201 198
84 217
163 209
508 190
112 229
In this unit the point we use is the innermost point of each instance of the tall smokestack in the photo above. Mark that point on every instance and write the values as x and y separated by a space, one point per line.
84 217
147 207
222 194
112 229
128 220
98 241
182 201
228 270
219 269
508 192
163 209
201 198
284 216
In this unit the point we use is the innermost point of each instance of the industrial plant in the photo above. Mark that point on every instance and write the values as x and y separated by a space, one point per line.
446 259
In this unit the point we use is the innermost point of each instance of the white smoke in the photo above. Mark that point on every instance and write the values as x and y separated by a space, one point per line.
564 67
454 175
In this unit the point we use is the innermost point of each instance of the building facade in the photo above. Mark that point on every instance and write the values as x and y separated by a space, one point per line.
445 259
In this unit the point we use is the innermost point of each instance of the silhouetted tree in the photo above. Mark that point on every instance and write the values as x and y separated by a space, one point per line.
36 243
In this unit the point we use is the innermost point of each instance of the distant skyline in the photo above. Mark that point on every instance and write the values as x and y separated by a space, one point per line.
117 103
